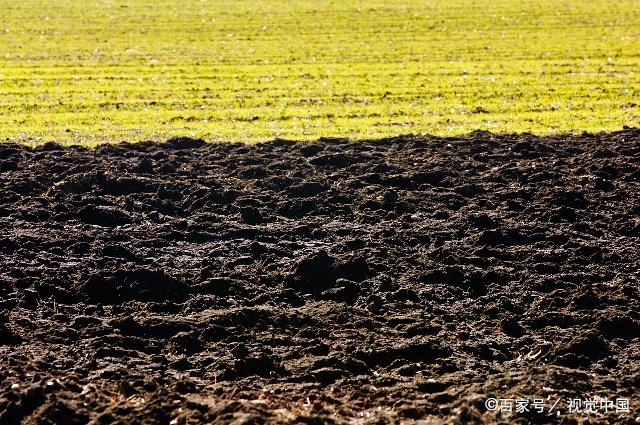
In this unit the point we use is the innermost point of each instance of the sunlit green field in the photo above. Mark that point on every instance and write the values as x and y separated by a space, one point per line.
92 71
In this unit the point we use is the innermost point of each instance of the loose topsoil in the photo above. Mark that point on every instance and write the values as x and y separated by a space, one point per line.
392 280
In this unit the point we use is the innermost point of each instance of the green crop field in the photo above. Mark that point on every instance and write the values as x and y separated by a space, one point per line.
93 71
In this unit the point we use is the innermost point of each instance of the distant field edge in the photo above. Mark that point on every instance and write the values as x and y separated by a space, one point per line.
188 142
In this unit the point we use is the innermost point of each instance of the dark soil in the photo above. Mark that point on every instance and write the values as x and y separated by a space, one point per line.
389 280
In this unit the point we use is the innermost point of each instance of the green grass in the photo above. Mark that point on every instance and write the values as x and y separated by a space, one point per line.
94 71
